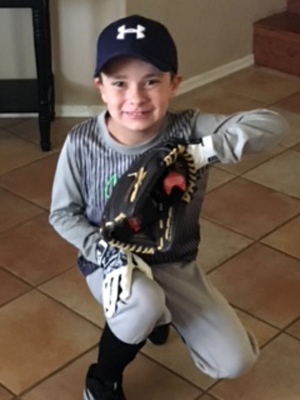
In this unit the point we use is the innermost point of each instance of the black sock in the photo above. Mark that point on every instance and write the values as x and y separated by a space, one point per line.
114 355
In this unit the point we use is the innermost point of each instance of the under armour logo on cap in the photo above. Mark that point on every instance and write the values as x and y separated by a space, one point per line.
138 37
139 31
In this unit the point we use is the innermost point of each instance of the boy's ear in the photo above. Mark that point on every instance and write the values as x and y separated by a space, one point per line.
99 86
176 80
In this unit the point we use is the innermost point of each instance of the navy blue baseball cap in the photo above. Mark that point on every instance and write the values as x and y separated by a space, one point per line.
138 37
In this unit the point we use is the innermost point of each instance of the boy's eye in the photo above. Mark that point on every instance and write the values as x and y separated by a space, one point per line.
152 82
118 84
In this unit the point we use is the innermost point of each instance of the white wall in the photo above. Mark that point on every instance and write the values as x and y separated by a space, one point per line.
209 34
75 28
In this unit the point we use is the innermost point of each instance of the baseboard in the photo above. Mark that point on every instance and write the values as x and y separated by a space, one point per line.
215 74
186 86
78 111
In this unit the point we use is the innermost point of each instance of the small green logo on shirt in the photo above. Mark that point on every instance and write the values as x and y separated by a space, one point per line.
110 184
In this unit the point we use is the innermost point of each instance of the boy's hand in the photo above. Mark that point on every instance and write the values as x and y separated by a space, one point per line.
118 268
203 152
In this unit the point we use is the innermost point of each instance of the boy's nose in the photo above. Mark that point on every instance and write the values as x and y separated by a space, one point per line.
136 95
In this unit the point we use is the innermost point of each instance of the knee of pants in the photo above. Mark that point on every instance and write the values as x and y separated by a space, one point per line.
231 369
232 365
137 316
239 366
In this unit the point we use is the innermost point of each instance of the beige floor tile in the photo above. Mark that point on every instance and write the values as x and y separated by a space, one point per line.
59 129
67 384
185 101
218 244
295 329
14 210
155 382
248 208
16 152
266 284
218 100
34 181
5 395
70 289
262 86
34 251
206 397
262 331
217 178
10 287
39 336
292 137
275 377
281 173
286 238
250 161
277 73
144 379
8 122
176 358
291 103
297 147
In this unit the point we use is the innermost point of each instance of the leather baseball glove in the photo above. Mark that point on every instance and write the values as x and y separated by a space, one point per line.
142 213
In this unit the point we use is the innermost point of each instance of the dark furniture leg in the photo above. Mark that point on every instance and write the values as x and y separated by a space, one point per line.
44 75
49 59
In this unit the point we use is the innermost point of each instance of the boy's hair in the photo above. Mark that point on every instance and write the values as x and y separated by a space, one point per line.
106 68
137 37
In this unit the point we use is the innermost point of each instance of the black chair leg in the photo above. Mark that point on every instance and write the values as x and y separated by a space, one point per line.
49 58
52 98
45 88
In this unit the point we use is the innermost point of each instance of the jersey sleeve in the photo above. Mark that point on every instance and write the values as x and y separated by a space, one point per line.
226 139
67 206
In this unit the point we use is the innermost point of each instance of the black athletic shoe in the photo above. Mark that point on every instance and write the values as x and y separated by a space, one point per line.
97 390
159 335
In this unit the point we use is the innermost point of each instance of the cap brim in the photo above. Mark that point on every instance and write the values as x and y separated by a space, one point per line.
152 60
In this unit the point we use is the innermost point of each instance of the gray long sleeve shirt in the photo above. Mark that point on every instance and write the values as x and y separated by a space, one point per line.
91 162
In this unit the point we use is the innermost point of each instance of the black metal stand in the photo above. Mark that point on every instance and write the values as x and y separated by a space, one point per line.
27 95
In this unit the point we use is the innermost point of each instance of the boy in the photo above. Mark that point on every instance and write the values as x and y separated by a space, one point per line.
136 75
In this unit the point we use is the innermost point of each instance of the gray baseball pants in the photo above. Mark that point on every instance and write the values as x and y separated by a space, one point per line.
182 294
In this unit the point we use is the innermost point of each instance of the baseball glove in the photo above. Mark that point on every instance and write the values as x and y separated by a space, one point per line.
142 213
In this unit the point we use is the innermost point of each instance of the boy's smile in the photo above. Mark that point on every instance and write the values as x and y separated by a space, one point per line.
137 96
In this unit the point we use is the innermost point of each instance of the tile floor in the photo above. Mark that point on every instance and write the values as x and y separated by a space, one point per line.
49 323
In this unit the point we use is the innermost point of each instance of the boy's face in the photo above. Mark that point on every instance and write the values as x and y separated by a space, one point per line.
137 96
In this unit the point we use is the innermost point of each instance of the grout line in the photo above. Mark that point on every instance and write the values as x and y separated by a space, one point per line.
240 251
23 222
8 390
19 136
260 163
43 156
58 370
226 227
22 120
280 250
292 336
255 317
49 279
24 198
177 374
254 241
59 302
